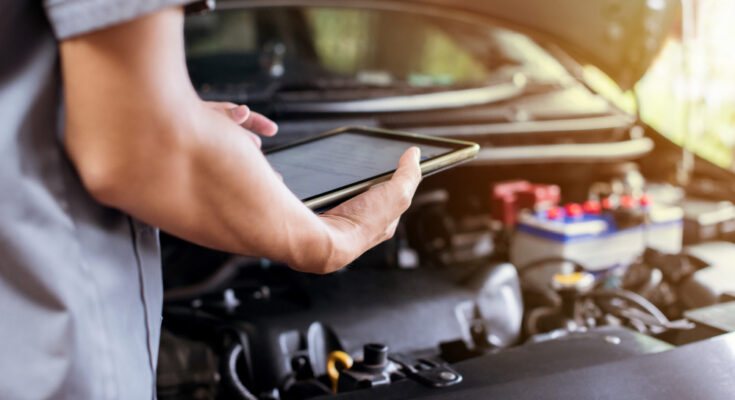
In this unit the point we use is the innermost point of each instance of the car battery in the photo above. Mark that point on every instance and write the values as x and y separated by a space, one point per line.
593 237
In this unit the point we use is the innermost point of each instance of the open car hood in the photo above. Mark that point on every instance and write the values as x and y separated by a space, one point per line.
621 37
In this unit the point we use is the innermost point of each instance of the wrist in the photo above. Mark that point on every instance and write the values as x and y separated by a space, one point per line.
328 249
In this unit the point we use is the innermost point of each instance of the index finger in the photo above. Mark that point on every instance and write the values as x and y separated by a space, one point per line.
260 124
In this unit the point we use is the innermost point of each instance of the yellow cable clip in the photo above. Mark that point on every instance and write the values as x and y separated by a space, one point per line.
345 361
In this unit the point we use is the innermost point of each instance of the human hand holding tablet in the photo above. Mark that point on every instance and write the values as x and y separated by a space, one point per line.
339 164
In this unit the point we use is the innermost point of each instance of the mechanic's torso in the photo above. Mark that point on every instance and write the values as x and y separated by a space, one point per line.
80 284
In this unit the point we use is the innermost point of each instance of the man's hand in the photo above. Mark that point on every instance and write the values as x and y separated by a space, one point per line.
372 217
143 142
254 123
360 223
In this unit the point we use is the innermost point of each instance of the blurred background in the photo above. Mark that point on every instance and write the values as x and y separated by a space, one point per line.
595 225
688 93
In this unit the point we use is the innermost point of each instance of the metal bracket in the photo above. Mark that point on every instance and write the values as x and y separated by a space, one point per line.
427 372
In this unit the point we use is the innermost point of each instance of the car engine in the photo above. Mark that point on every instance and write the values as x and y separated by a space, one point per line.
518 265
567 260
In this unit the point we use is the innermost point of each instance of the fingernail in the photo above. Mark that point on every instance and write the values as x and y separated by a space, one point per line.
240 112
417 153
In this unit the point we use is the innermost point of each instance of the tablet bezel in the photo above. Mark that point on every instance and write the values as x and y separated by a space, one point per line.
463 151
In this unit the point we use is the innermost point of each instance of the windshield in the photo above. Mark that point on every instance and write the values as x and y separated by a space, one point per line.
304 47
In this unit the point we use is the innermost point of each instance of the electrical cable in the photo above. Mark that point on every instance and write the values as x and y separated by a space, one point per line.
535 315
231 358
223 274
634 298
551 297
654 280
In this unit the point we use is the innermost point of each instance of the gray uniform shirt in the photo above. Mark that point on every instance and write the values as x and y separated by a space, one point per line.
80 284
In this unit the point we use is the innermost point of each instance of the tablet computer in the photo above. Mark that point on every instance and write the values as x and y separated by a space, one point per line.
339 164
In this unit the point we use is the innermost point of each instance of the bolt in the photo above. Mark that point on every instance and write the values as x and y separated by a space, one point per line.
298 363
612 339
230 299
375 354
447 376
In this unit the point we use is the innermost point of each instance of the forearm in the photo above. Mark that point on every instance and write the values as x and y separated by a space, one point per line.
144 142
214 187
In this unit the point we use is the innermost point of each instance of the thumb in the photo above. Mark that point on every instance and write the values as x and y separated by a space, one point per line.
409 171
410 159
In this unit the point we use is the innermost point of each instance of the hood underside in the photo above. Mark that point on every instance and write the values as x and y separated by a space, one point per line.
621 37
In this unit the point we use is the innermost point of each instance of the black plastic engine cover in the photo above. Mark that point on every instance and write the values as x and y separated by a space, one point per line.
409 310
609 363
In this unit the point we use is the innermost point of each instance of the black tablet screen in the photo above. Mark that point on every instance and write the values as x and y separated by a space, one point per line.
333 162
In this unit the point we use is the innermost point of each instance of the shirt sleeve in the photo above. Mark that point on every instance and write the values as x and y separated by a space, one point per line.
70 18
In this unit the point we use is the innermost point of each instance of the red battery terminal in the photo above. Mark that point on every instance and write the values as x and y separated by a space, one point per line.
592 207
645 200
553 212
574 210
627 201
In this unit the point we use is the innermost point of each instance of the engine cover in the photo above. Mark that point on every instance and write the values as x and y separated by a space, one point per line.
300 324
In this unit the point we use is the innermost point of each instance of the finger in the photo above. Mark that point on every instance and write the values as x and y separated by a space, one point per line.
239 114
260 124
408 176
221 105
255 138
249 120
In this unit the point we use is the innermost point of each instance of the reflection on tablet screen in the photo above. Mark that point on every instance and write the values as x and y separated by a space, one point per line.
340 160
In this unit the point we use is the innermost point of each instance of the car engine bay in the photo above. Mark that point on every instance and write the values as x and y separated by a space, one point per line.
518 266
567 250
